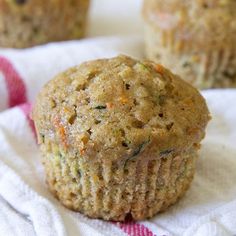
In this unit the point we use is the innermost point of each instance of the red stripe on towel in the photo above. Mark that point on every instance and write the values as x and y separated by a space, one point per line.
135 229
14 83
26 108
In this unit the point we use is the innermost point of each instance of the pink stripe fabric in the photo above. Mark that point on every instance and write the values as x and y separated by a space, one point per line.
14 83
135 229
26 108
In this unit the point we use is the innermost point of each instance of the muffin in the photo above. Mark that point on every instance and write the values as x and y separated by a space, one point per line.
195 38
25 23
119 137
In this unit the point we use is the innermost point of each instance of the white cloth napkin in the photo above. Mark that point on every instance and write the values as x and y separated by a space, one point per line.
26 205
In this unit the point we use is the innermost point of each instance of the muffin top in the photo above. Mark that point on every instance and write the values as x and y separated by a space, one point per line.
120 108
38 7
206 23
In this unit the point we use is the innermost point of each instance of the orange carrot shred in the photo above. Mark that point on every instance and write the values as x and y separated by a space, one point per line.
123 99
61 130
82 151
109 105
159 68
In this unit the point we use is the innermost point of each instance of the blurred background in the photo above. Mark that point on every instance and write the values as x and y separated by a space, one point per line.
124 18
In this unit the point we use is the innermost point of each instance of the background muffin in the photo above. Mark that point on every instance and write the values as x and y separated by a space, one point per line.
119 137
24 23
195 38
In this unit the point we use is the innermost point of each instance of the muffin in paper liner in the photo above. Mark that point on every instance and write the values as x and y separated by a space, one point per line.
119 137
25 23
196 39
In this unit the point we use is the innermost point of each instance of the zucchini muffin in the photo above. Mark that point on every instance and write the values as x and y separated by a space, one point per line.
119 137
196 38
25 23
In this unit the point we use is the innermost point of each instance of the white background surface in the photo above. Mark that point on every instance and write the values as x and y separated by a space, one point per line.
115 17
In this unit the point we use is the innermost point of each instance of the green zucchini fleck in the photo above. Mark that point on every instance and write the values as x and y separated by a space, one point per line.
186 64
100 107
137 151
80 173
161 100
142 67
166 152
62 157
42 137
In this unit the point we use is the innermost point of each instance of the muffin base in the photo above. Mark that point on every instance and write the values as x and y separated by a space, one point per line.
204 69
115 191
